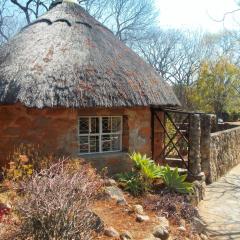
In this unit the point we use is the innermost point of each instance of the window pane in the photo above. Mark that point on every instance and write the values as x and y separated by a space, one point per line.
83 125
94 125
106 143
106 124
115 142
84 144
94 143
116 124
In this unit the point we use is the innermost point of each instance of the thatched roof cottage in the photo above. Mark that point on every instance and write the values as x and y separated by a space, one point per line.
69 85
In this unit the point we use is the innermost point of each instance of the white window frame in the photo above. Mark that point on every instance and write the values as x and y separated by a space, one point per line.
100 134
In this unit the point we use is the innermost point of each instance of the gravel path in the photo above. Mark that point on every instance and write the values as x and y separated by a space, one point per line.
221 207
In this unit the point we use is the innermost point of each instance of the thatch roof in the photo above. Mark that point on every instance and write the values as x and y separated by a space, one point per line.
66 58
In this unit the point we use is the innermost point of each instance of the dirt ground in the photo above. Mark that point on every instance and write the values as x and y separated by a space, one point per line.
121 219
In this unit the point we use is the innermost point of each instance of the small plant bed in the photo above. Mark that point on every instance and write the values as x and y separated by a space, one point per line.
68 200
147 176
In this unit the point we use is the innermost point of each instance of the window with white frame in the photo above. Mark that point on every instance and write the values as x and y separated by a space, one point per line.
100 134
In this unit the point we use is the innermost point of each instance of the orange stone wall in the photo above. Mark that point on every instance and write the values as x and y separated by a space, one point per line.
55 131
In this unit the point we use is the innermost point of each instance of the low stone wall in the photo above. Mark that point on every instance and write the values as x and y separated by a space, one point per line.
224 152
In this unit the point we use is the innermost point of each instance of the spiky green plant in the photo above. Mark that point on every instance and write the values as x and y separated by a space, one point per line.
176 182
147 167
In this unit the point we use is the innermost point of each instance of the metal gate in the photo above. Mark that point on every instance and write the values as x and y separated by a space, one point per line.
175 125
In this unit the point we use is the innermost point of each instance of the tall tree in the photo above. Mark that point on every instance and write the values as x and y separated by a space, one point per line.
8 23
215 90
176 56
128 19
31 8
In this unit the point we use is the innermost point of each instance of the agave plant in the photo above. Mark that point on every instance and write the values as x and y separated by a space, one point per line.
146 166
176 182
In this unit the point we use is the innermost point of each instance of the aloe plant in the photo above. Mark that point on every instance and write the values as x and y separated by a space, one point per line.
176 182
146 166
146 171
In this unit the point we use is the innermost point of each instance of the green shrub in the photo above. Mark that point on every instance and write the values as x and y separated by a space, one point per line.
176 182
146 171
132 183
147 167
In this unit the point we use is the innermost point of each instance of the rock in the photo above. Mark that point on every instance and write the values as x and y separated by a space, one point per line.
138 209
198 225
116 193
110 182
126 236
121 202
111 232
181 229
163 222
142 218
161 232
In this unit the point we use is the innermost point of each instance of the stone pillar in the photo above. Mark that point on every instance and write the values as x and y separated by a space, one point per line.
194 145
206 126
214 124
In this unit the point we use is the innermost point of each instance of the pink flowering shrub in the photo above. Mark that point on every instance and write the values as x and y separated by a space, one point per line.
55 204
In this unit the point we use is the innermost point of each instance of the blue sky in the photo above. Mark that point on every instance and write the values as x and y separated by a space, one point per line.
197 14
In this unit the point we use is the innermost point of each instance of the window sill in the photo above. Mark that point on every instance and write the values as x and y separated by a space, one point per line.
102 155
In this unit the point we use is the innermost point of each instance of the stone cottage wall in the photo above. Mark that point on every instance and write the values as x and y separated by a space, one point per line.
55 131
224 152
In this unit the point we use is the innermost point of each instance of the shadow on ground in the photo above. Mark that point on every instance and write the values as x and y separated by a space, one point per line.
221 207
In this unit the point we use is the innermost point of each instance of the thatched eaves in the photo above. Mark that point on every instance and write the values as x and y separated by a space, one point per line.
66 58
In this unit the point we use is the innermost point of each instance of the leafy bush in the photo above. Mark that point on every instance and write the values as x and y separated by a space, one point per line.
147 167
131 182
55 204
175 182
142 176
146 171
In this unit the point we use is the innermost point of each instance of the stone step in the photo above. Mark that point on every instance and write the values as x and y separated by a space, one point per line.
176 162
181 171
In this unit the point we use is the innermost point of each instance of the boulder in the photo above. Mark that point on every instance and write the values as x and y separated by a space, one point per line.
113 192
138 209
111 232
126 236
161 232
163 222
142 218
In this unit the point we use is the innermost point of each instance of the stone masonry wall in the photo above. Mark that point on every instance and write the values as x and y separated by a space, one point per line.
224 152
55 130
